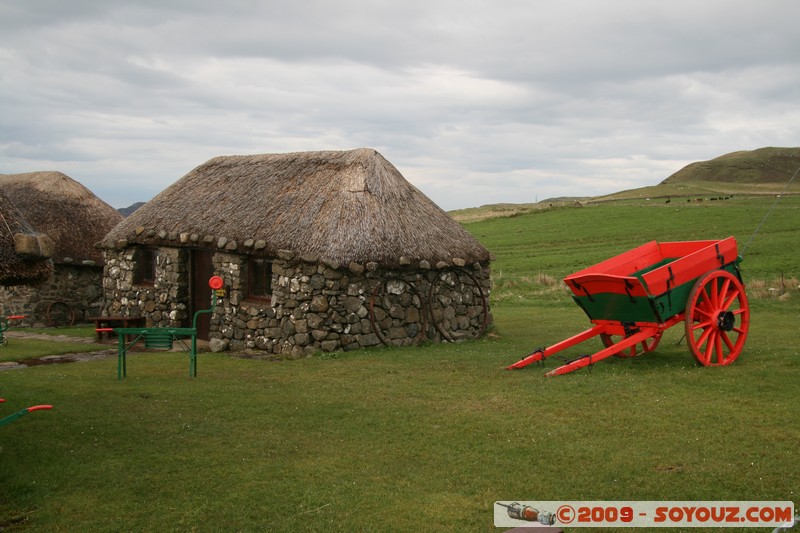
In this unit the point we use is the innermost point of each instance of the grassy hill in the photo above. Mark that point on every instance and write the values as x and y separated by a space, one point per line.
765 171
475 214
751 167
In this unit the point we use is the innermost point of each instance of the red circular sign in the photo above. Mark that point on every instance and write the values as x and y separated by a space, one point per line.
215 282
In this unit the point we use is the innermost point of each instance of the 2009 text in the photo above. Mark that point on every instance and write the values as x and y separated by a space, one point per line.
651 513
605 514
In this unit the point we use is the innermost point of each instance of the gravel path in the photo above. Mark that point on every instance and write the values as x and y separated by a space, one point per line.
55 359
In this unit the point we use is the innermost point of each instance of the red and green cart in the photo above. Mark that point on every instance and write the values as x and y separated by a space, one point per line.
632 298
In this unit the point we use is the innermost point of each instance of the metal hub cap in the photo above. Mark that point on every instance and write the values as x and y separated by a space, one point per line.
725 321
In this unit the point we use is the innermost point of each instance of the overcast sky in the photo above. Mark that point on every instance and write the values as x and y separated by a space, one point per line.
474 101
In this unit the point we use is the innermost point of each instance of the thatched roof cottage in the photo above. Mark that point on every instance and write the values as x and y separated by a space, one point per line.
319 251
24 254
76 220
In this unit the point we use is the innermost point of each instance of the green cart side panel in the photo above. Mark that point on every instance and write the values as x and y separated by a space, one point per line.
623 308
610 306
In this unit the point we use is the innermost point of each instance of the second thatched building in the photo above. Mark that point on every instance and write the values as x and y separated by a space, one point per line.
74 220
24 254
319 251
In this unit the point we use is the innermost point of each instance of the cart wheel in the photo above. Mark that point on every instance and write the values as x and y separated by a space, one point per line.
454 277
60 314
717 318
382 298
648 345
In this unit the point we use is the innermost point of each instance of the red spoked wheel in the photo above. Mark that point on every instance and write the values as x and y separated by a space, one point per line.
717 318
647 345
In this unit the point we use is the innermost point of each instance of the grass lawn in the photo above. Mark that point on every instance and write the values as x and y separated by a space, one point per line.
421 439
82 330
21 349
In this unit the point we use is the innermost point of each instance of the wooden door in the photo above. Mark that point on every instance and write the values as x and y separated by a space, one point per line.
202 270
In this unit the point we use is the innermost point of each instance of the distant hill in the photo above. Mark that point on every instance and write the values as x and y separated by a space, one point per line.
765 171
474 214
126 211
762 166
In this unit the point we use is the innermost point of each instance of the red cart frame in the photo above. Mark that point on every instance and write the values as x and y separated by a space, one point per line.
633 297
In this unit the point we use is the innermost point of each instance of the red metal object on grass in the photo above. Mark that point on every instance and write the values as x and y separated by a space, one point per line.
5 324
21 413
38 408
632 298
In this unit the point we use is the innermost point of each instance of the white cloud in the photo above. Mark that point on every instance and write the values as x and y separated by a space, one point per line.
474 101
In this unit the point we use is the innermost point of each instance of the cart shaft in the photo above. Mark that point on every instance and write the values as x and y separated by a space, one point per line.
540 354
632 334
616 348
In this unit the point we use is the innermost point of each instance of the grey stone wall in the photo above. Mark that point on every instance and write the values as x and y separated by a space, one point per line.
164 303
79 286
316 306
321 306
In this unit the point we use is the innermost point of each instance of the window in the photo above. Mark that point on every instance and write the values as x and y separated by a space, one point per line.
259 278
146 266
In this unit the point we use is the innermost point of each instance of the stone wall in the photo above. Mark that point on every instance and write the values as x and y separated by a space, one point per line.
315 305
164 303
79 286
322 306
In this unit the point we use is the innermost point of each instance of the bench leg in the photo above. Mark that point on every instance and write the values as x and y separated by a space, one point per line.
121 370
193 356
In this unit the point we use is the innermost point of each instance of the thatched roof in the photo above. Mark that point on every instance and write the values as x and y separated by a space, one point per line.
62 208
342 206
23 253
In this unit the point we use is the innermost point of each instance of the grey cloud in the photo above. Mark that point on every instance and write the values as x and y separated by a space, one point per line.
472 100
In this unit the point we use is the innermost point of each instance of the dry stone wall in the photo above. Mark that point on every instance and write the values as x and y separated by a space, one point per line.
322 306
78 286
315 306
164 303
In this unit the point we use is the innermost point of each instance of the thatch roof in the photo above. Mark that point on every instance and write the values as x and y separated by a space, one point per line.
342 206
62 208
23 253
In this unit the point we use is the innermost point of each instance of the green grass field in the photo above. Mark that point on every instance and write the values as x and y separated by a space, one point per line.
427 438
